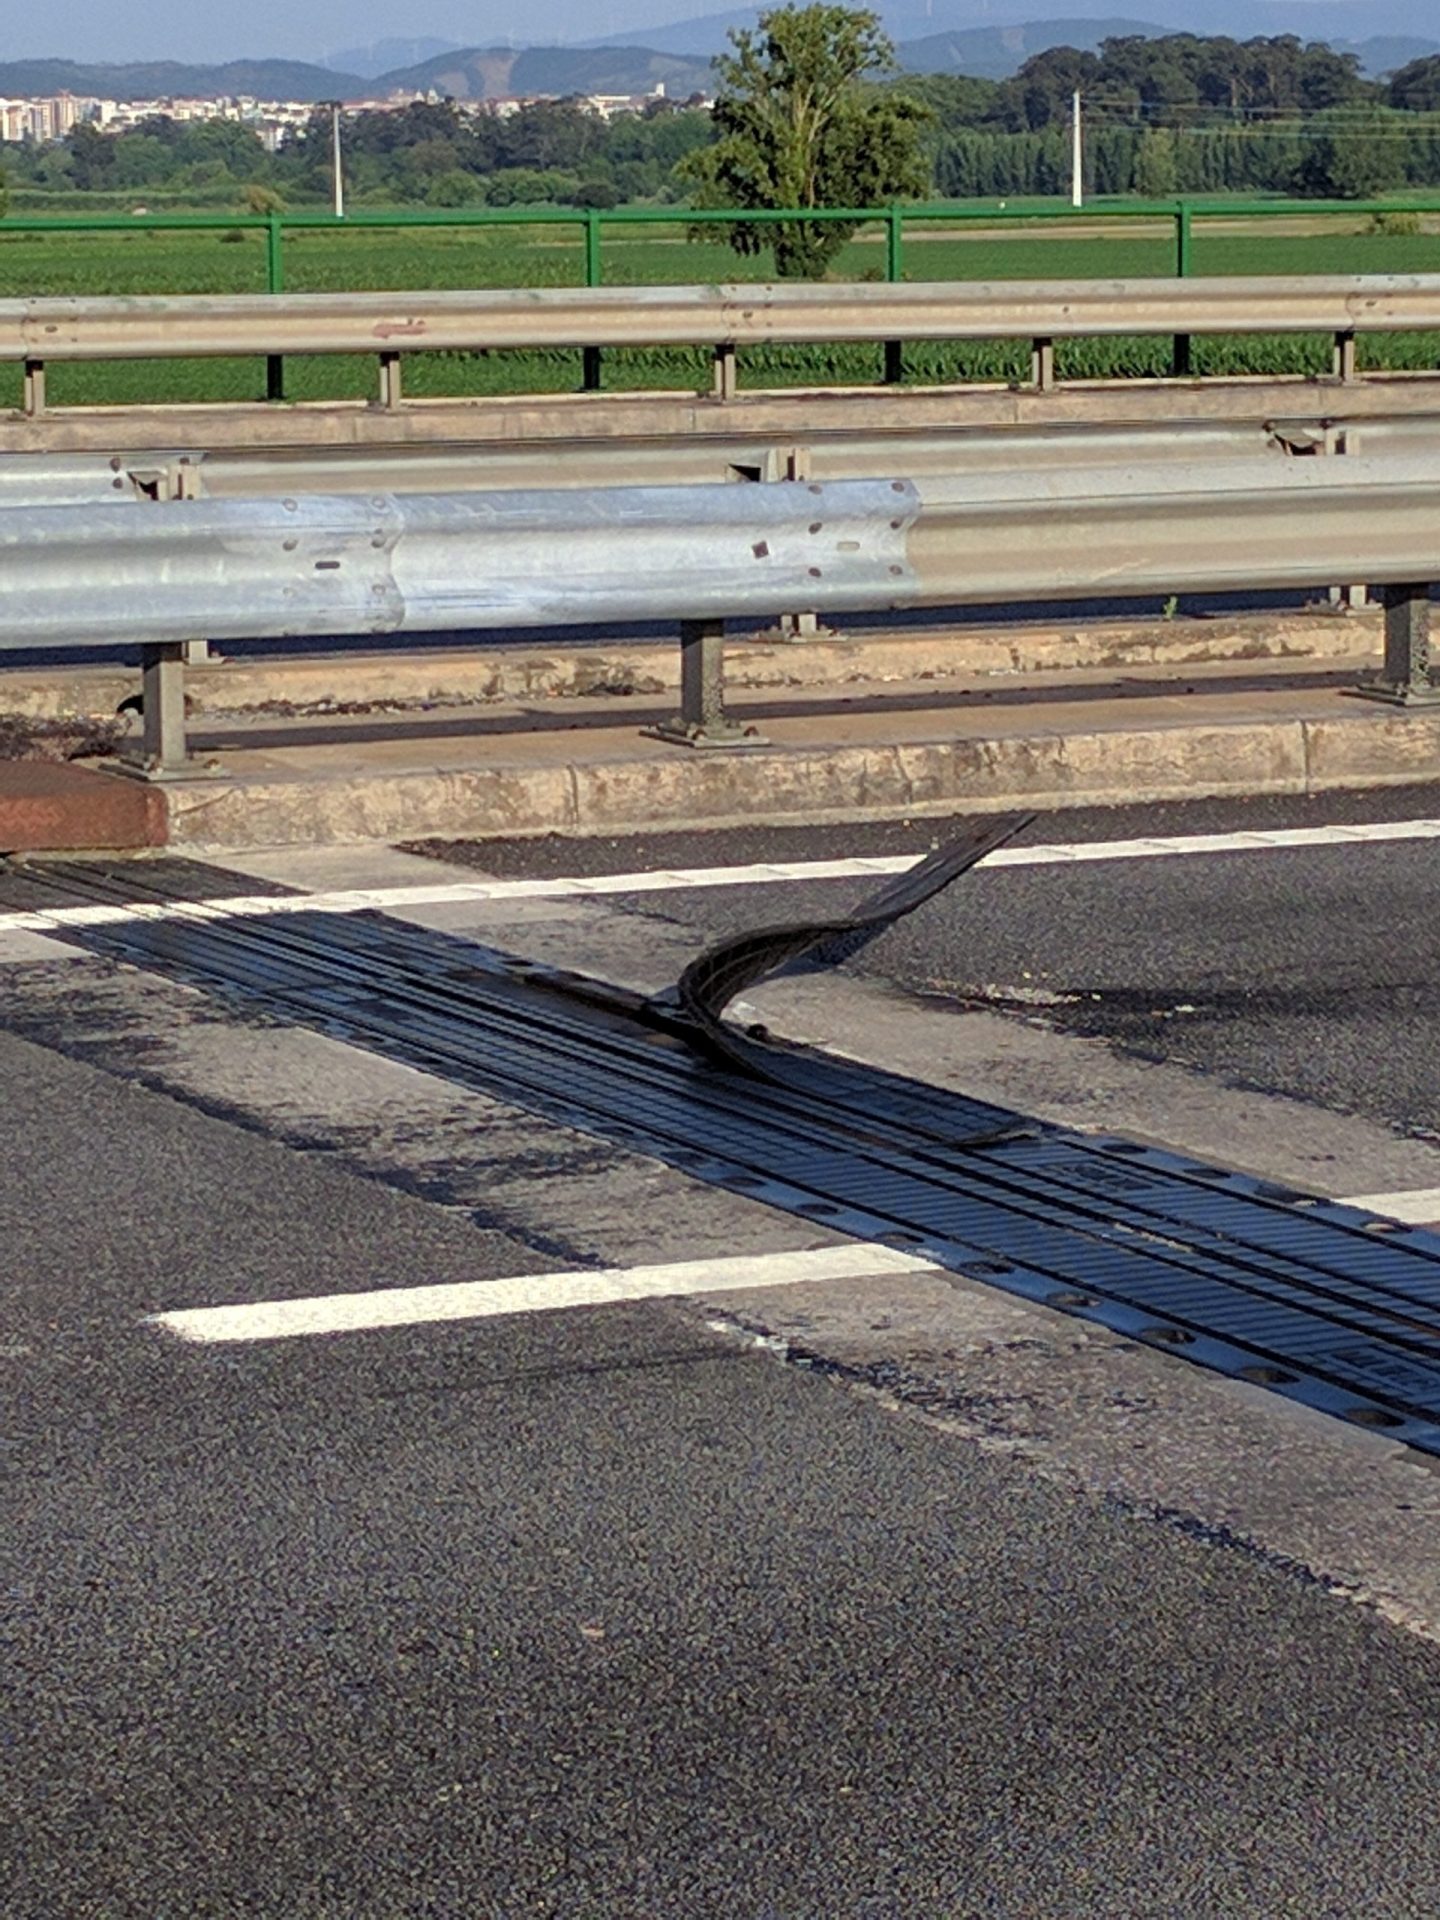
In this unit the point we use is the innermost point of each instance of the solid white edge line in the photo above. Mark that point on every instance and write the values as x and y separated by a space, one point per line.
580 886
1413 1206
528 1293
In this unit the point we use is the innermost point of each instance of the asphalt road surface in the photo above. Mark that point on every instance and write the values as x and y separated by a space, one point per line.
878 1597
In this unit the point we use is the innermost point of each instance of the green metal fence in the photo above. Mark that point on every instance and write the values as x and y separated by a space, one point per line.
590 225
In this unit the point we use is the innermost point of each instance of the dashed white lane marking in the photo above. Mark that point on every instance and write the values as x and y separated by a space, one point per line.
529 1293
663 880
1415 1206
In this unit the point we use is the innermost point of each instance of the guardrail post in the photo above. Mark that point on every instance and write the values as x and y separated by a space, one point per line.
274 283
34 395
163 751
391 383
1343 363
702 720
1042 364
727 372
1405 679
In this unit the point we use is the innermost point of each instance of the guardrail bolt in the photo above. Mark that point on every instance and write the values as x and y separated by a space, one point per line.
702 720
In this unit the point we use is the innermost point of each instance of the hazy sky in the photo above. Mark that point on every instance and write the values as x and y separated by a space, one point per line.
201 30
194 30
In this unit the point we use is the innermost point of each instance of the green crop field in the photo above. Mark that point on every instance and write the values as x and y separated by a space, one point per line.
142 261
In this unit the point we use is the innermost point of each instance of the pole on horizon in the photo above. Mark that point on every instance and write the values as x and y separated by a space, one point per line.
1077 153
335 163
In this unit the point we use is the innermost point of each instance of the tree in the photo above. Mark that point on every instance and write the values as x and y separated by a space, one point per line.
799 123
258 198
1416 87
1352 158
1155 164
1041 92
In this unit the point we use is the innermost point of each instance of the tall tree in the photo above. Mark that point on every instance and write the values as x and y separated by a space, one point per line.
800 123
1155 175
1416 87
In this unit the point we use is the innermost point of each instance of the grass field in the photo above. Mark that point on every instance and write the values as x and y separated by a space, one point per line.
140 262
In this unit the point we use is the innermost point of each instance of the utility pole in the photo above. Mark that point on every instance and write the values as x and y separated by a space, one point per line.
335 163
1077 153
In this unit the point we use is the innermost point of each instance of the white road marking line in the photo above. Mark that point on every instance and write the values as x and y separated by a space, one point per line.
1415 1206
23 949
580 886
529 1293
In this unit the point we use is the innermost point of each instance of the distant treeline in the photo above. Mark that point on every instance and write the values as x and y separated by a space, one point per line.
1183 114
1188 114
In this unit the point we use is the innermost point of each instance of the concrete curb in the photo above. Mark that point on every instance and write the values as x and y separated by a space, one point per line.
628 790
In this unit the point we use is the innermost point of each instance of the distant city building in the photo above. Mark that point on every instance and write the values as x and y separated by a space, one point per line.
46 119
49 118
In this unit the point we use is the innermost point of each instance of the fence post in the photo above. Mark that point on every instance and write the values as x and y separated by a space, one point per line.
274 283
1180 360
894 274
590 356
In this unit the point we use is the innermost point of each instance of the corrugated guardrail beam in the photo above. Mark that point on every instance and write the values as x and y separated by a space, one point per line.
43 330
234 569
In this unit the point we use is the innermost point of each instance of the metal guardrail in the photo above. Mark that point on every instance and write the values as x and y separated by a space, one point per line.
736 315
694 460
388 564
724 318
698 459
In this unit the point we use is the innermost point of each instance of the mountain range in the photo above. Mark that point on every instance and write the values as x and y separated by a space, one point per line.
679 55
1340 22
